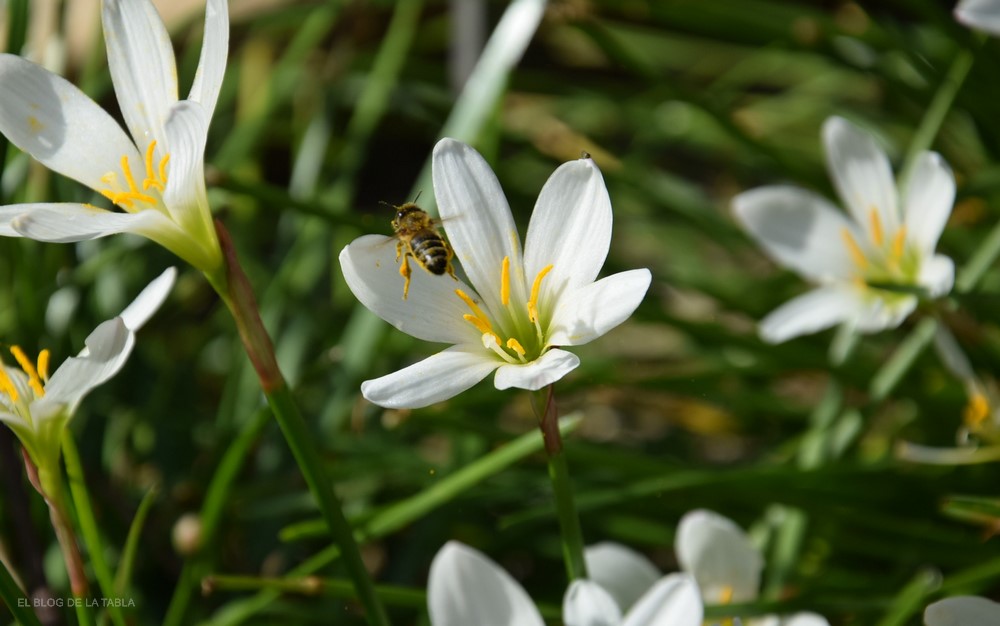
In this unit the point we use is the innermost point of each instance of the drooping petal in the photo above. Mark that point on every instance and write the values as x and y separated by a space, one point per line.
214 52
432 311
585 314
981 14
186 198
720 556
49 118
962 611
937 275
436 378
543 371
570 228
141 60
587 604
477 220
861 173
465 587
799 229
108 347
621 571
672 601
149 300
811 312
930 195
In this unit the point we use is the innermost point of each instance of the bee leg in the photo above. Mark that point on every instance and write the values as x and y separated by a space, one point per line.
399 249
404 271
449 266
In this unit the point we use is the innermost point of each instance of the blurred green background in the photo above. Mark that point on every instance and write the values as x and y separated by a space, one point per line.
329 108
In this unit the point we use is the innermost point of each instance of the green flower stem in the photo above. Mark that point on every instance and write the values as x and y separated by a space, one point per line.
569 521
239 297
912 598
88 525
893 370
982 259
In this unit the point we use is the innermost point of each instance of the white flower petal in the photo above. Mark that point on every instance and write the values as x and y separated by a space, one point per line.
214 52
621 571
585 314
149 300
673 601
431 312
108 347
981 14
57 124
477 220
465 588
811 312
587 604
930 195
570 228
436 378
798 229
141 60
804 619
543 371
720 556
186 130
861 173
64 222
878 314
937 275
962 611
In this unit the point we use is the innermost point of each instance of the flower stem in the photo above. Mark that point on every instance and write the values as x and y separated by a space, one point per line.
569 521
238 296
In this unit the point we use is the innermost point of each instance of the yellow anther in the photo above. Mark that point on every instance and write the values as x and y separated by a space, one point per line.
726 595
481 324
120 199
876 224
857 255
163 168
6 384
535 287
472 305
976 410
151 180
899 243
505 281
29 368
128 174
516 346
43 365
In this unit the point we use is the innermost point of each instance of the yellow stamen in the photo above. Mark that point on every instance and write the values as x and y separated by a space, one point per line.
726 595
472 305
482 325
491 341
128 174
859 258
899 243
976 410
6 384
515 345
876 225
505 281
535 287
151 180
29 368
43 365
163 168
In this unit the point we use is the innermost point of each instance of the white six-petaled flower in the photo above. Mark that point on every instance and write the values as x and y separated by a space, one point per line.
156 176
521 308
37 407
868 263
980 14
465 587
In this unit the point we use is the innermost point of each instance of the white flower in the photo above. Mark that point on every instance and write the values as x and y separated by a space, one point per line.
981 14
37 407
465 587
962 611
155 176
520 308
868 263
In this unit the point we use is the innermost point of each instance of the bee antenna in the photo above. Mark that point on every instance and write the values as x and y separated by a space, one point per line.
384 203
418 196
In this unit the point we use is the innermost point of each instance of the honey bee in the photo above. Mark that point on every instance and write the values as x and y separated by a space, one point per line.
419 238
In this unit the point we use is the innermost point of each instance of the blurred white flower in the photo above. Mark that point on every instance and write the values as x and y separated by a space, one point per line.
155 176
465 587
868 264
962 611
37 407
521 308
980 14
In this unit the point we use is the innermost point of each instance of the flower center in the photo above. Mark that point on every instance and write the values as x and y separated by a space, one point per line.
525 340
37 375
881 260
128 194
976 411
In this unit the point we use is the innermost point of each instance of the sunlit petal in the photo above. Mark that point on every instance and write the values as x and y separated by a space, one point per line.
214 52
436 378
673 601
962 611
621 571
720 556
861 173
587 604
929 199
543 371
813 311
586 313
149 300
981 14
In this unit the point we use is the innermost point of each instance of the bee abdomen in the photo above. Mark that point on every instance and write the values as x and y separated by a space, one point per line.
431 251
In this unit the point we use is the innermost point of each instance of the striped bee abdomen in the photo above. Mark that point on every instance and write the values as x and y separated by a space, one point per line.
430 250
